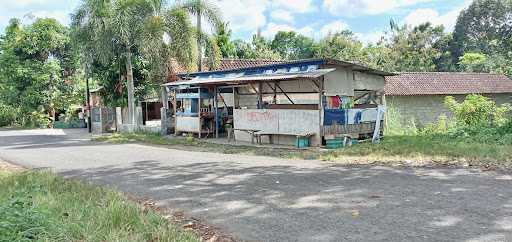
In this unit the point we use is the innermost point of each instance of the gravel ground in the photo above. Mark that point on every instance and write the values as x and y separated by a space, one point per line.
269 199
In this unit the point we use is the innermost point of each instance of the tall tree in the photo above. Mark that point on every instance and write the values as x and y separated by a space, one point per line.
414 49
203 9
110 29
37 69
292 46
223 38
485 26
473 62
262 48
343 45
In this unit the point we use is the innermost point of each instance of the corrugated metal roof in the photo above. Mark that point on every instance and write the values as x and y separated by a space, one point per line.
289 64
261 77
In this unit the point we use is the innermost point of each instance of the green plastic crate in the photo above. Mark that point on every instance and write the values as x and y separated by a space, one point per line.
302 142
334 143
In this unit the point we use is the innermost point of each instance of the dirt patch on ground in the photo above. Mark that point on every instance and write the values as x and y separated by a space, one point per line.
206 232
6 166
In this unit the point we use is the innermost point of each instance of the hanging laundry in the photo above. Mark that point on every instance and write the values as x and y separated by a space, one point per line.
339 116
335 100
346 102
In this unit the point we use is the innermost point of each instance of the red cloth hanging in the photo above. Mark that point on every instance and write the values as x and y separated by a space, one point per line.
335 102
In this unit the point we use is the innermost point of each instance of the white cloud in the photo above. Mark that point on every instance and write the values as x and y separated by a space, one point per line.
273 28
282 15
315 30
61 16
333 27
423 15
370 37
296 6
366 7
17 4
243 15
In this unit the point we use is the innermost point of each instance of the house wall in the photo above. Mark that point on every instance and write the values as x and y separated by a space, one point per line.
344 81
187 124
426 109
277 121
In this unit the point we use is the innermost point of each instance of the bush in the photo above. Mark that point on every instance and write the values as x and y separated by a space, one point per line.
477 111
395 124
7 115
442 126
36 119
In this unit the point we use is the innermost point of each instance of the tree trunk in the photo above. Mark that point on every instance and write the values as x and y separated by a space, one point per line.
199 49
130 87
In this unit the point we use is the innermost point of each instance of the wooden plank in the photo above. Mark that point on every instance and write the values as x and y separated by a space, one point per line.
286 95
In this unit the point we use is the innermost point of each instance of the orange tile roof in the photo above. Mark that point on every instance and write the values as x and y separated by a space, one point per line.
446 83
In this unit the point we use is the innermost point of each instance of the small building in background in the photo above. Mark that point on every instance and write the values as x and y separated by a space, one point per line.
281 103
419 96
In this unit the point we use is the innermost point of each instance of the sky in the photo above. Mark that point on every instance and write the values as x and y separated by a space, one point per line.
369 19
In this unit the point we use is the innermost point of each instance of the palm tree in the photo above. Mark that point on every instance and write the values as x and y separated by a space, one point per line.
107 29
203 9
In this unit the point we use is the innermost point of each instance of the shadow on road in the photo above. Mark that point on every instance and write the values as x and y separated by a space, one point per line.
284 203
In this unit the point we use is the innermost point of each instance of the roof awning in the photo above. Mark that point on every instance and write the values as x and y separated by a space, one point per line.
230 80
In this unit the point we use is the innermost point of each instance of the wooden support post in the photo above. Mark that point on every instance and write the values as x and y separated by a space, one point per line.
165 98
216 107
286 95
274 92
236 103
260 95
199 112
174 113
321 110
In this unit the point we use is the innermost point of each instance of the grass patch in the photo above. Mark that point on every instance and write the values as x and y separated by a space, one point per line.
420 149
435 148
192 144
40 206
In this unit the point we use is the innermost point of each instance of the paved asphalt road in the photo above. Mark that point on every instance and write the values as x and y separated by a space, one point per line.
268 199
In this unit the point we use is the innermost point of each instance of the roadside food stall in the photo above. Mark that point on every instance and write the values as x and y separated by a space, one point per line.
307 102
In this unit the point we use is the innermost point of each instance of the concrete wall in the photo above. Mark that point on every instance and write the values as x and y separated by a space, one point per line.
187 124
339 82
344 81
426 109
277 121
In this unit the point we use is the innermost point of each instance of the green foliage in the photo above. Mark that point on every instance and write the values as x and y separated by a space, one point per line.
259 48
222 37
484 27
8 115
414 49
293 46
263 49
125 43
38 70
343 46
442 126
397 125
473 62
38 206
477 111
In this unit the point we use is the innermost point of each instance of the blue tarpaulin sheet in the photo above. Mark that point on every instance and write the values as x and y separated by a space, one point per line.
342 116
339 116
